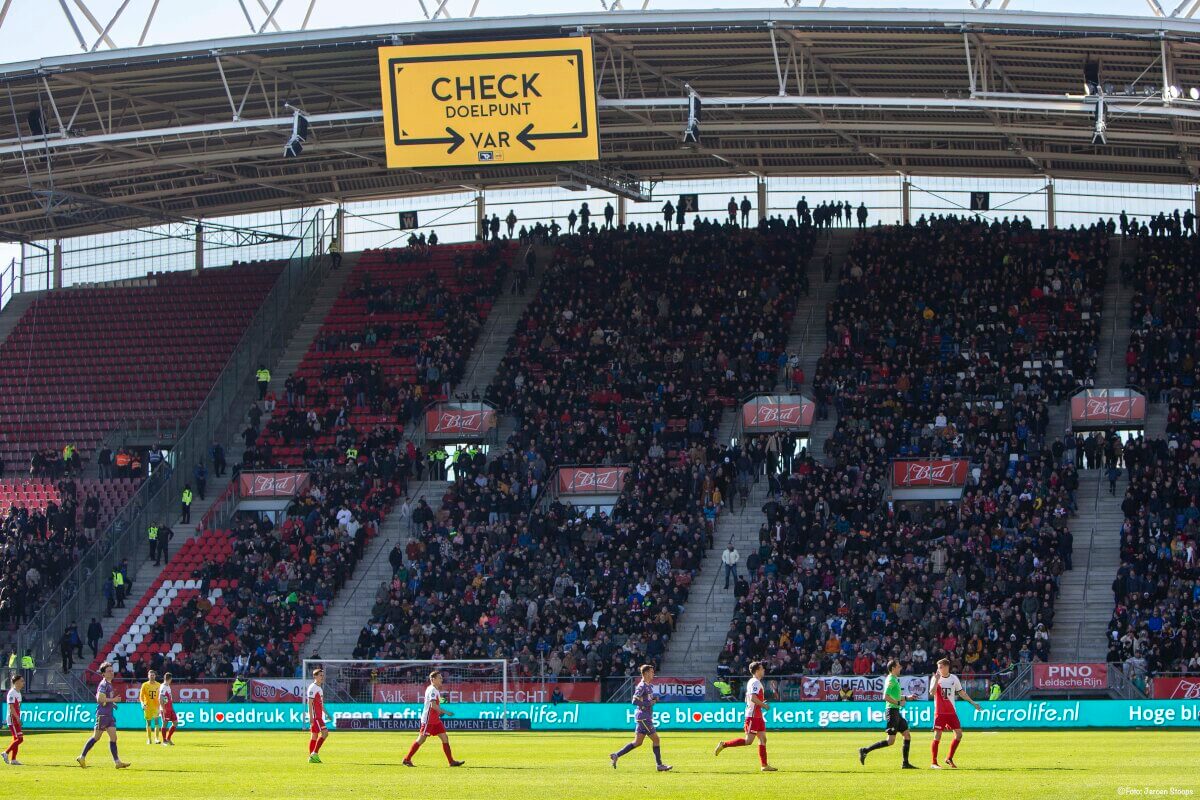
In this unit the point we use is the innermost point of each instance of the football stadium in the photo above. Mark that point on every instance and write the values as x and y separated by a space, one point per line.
629 399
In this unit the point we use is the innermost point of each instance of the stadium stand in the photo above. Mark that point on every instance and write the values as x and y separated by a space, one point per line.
83 362
396 339
45 526
1157 595
245 599
634 348
946 338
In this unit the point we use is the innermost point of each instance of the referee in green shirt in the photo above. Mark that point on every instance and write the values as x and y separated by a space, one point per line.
896 723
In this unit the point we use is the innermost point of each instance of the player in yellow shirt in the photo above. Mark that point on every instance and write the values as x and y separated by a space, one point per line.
148 697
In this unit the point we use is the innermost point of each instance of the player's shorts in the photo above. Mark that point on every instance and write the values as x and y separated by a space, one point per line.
150 715
434 727
946 722
896 723
317 726
168 715
755 724
645 728
106 720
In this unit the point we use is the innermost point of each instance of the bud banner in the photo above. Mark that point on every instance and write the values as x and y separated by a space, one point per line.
450 421
272 484
921 472
592 480
1071 677
766 417
1186 687
1101 407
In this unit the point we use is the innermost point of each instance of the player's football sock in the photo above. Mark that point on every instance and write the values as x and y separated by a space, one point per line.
87 746
412 751
625 749
734 743
112 748
953 747
877 745
762 754
934 747
907 745
657 755
312 746
446 750
320 742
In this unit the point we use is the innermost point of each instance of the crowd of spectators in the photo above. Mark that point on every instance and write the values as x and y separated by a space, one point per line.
39 544
635 344
930 342
1156 621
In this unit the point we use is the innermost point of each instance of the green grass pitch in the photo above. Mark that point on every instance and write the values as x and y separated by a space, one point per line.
548 766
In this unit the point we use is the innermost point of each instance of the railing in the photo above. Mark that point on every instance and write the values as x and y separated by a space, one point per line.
82 590
221 509
8 282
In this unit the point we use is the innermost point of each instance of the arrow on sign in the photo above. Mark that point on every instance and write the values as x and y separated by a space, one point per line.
526 138
455 140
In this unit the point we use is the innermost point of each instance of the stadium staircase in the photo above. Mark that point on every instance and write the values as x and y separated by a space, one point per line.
14 310
702 628
146 581
1085 601
336 634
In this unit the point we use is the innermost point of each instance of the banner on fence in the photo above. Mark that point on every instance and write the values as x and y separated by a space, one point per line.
1071 677
447 421
679 690
591 480
1101 408
490 692
865 687
184 692
272 484
1185 687
763 415
929 479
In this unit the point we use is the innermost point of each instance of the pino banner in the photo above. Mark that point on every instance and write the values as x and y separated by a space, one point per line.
1106 407
277 690
999 715
480 103
591 480
1071 677
272 484
449 421
490 692
679 690
777 416
1186 687
826 688
184 692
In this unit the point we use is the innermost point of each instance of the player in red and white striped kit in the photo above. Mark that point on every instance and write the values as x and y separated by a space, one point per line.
16 682
755 725
944 687
166 702
315 697
431 722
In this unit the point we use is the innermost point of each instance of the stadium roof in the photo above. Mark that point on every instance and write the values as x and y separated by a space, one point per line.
197 130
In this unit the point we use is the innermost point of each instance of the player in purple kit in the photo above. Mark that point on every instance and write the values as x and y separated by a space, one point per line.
644 699
106 718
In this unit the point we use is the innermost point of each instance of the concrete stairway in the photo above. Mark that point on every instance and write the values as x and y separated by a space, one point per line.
701 630
14 309
1085 601
337 632
1114 334
501 323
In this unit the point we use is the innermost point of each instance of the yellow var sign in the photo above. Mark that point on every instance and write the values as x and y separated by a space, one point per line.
510 102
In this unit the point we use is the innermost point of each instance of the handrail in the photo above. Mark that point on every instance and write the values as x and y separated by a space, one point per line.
79 592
